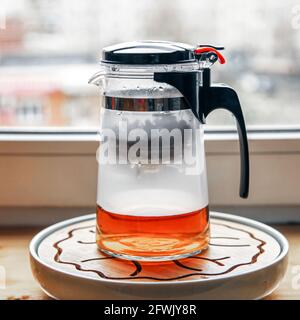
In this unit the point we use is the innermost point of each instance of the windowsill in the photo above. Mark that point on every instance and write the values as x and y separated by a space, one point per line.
49 176
91 133
21 285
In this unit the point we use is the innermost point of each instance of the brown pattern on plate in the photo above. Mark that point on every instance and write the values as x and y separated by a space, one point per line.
233 249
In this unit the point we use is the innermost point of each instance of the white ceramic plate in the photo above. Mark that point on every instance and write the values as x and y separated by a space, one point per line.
245 260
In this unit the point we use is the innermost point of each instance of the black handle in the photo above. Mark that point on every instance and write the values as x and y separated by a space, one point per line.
204 99
221 96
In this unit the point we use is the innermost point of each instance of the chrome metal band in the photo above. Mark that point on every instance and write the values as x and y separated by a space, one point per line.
145 104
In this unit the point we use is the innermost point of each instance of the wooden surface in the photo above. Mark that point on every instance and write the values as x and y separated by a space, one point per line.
20 284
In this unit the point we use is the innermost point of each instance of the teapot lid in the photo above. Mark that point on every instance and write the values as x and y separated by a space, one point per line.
149 52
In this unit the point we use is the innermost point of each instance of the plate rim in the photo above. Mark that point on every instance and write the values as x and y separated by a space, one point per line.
280 238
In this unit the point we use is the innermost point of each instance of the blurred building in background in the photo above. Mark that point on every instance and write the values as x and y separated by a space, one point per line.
50 48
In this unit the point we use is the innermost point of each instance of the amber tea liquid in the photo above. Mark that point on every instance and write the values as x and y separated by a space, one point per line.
153 238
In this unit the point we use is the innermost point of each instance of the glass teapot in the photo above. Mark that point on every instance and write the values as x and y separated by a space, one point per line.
152 197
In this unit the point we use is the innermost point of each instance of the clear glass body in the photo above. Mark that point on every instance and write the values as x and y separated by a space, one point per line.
152 199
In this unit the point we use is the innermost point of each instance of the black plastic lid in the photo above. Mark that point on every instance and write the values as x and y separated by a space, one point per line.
148 52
